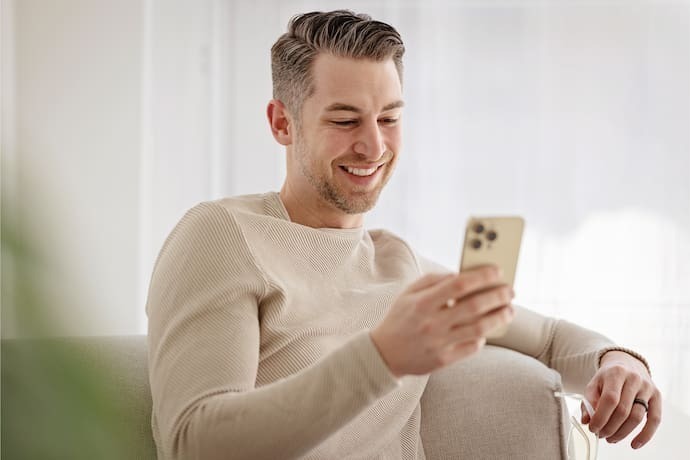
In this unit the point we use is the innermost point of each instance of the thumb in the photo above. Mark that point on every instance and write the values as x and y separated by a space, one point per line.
592 394
585 416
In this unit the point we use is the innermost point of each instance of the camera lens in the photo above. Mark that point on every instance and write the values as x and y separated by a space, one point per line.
491 235
476 243
478 228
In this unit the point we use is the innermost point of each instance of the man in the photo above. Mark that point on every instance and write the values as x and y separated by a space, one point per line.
263 307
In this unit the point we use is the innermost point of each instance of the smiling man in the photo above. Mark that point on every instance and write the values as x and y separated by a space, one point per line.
280 328
343 144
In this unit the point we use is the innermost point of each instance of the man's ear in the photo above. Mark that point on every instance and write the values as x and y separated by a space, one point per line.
280 121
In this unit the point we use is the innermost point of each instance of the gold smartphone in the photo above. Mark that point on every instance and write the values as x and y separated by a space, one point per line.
493 240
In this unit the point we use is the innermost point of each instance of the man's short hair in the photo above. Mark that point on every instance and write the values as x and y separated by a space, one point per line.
341 33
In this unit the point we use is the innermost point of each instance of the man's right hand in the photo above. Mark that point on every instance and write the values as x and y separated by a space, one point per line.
421 333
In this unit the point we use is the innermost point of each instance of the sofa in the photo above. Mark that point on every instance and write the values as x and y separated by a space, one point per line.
498 404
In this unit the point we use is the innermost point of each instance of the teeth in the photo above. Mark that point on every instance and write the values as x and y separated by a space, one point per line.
361 172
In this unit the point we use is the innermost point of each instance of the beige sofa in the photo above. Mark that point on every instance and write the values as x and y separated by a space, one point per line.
496 405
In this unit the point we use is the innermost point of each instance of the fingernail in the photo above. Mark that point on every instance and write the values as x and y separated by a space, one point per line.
637 444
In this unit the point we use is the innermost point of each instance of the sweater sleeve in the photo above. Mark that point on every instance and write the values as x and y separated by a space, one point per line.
571 350
204 355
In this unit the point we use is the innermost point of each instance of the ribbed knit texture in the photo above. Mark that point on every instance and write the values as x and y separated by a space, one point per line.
259 345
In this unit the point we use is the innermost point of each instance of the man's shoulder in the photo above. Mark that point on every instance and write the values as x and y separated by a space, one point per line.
260 204
383 235
385 238
225 216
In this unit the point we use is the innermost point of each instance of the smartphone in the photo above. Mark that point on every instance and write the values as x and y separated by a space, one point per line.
493 240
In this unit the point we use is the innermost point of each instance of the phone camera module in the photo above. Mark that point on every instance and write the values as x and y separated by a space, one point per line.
476 243
491 235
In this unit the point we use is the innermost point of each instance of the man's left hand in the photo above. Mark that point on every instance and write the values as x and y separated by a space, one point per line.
613 391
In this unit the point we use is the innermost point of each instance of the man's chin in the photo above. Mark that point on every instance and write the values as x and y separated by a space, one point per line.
359 203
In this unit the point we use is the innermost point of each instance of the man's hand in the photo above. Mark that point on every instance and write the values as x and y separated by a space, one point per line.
421 333
620 380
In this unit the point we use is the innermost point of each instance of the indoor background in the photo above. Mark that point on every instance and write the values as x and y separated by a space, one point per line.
117 117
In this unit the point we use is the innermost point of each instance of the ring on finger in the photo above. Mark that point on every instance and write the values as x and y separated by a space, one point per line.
643 403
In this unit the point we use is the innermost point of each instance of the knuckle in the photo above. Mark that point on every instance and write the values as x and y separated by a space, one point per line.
636 417
430 352
489 274
506 294
441 359
479 329
426 327
460 284
617 370
419 305
635 379
654 419
473 306
609 397
591 386
620 412
478 344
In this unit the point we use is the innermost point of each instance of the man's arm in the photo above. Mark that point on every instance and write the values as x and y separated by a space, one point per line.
611 377
204 350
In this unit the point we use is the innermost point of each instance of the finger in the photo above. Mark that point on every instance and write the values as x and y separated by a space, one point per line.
622 412
585 416
481 327
653 421
636 416
461 285
463 350
606 402
469 308
429 280
635 412
585 410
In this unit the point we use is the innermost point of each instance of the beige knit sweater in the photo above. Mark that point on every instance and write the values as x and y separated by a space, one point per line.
259 345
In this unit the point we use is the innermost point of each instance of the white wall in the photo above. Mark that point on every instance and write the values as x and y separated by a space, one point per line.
72 128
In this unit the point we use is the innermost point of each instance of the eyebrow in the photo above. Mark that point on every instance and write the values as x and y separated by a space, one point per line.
338 106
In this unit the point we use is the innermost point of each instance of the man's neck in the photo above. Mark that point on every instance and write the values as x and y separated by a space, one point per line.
317 215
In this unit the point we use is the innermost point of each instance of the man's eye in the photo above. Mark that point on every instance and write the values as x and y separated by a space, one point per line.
345 122
389 121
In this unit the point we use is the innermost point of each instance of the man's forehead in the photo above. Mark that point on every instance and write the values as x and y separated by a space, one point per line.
340 106
355 84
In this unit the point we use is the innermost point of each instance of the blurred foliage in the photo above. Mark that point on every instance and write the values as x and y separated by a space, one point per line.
55 404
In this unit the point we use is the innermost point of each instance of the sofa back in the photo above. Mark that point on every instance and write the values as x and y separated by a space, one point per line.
497 404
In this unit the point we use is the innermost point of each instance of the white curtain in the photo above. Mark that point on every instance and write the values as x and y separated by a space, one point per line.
573 114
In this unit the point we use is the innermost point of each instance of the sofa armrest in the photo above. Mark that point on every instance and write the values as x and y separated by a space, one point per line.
499 404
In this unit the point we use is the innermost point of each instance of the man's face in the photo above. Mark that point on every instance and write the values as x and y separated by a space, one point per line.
347 143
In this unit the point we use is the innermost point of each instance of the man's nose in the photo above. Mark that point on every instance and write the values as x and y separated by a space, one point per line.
370 142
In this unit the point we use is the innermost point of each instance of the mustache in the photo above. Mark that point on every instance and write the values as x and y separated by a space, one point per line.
361 159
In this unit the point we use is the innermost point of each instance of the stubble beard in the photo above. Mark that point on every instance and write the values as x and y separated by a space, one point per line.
357 202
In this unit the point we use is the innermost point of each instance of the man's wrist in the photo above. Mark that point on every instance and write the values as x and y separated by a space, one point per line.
623 355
